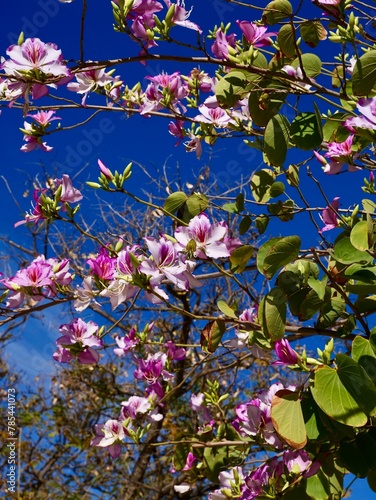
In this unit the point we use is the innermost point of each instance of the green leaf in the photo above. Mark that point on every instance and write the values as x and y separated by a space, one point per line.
261 182
306 131
263 251
286 40
364 74
309 306
240 257
333 398
211 335
174 201
245 224
318 286
357 383
261 223
230 207
359 236
346 253
292 175
333 128
331 311
371 479
266 103
353 459
180 455
313 417
226 309
287 418
276 11
231 87
273 313
318 486
276 139
195 204
311 64
276 189
369 206
312 32
278 254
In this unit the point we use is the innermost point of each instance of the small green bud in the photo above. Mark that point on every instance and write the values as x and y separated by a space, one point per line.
94 185
21 38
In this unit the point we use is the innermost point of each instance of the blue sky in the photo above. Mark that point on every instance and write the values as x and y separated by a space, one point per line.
117 140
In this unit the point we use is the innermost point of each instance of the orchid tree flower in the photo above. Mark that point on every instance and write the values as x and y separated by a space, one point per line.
35 60
79 340
208 238
329 216
254 34
110 435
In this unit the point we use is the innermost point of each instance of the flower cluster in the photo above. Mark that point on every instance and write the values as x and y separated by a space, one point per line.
47 202
43 278
33 66
268 480
254 418
78 340
170 261
33 132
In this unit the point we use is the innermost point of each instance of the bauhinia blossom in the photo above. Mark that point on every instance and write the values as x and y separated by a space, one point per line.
211 240
224 45
286 354
340 153
39 280
79 340
110 435
33 132
367 120
34 61
254 34
329 216
152 369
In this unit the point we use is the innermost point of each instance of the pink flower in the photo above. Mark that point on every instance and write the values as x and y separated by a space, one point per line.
133 406
174 353
181 15
33 55
367 107
285 353
216 116
37 214
340 153
166 262
126 343
81 332
176 129
33 142
69 194
254 34
152 371
36 275
329 216
44 118
91 81
105 171
223 44
109 435
103 266
209 238
191 459
78 339
329 2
